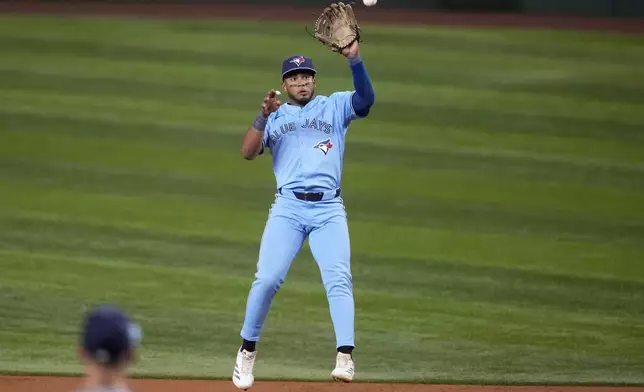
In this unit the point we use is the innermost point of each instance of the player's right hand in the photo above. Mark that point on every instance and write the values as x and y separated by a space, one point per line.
270 103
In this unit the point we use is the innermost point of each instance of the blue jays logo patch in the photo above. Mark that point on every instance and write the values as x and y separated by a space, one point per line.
298 60
324 146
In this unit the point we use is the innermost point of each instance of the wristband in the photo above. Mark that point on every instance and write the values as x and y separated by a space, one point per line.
354 60
260 122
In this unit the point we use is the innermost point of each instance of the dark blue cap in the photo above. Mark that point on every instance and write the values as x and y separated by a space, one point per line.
297 63
108 334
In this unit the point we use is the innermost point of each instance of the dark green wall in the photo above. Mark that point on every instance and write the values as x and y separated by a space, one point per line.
621 8
586 7
629 8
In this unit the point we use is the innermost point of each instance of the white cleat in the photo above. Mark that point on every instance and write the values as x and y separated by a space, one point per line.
243 373
344 368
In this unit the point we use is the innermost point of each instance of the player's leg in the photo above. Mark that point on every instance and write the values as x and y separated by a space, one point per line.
330 246
331 249
281 241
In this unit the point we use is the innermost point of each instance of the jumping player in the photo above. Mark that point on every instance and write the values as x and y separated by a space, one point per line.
107 348
306 137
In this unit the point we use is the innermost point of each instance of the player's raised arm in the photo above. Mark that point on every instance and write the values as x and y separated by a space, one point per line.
337 28
253 141
364 96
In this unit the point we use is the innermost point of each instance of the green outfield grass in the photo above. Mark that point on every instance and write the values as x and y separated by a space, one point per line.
495 199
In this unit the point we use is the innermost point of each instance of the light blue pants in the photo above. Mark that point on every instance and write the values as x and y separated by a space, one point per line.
290 221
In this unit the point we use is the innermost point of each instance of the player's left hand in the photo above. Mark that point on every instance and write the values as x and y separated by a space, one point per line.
337 28
352 50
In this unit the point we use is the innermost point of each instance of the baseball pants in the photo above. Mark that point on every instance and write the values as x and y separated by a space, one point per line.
290 221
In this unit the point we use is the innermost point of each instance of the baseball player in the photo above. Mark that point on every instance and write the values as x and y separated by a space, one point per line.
306 137
107 348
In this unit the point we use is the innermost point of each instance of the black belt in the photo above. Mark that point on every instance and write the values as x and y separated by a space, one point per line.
312 196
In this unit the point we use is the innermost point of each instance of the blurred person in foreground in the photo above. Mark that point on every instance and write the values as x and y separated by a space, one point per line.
107 348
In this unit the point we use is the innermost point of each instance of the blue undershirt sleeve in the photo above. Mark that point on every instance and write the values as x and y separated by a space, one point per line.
364 96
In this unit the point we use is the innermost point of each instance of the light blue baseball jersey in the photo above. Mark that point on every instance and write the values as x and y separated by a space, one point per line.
307 143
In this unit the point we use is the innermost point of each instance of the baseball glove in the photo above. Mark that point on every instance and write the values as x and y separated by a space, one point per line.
337 27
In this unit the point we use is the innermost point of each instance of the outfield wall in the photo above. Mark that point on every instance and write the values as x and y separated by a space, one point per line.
605 8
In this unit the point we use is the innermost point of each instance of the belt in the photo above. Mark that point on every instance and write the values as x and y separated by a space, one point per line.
315 196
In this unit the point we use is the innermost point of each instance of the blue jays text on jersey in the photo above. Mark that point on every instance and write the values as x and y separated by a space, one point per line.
307 143
310 124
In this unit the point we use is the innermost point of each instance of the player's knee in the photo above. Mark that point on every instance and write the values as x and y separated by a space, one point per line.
338 282
269 282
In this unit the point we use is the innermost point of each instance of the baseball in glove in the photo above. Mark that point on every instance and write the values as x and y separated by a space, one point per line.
337 27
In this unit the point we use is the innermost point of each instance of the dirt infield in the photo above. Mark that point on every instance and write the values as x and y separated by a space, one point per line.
376 14
67 384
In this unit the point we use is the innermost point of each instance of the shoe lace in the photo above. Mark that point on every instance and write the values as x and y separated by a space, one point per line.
247 362
344 360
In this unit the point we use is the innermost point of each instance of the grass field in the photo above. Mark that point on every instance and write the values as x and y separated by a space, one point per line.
495 199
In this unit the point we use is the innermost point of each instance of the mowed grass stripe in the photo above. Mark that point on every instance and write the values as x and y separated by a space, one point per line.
190 287
609 203
438 279
189 130
205 36
565 82
209 183
226 97
555 78
565 314
413 90
241 62
628 150
169 213
508 125
432 213
363 147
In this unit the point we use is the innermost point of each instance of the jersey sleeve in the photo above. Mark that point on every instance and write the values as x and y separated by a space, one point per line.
344 106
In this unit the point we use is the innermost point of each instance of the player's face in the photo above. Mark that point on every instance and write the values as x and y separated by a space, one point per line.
300 87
